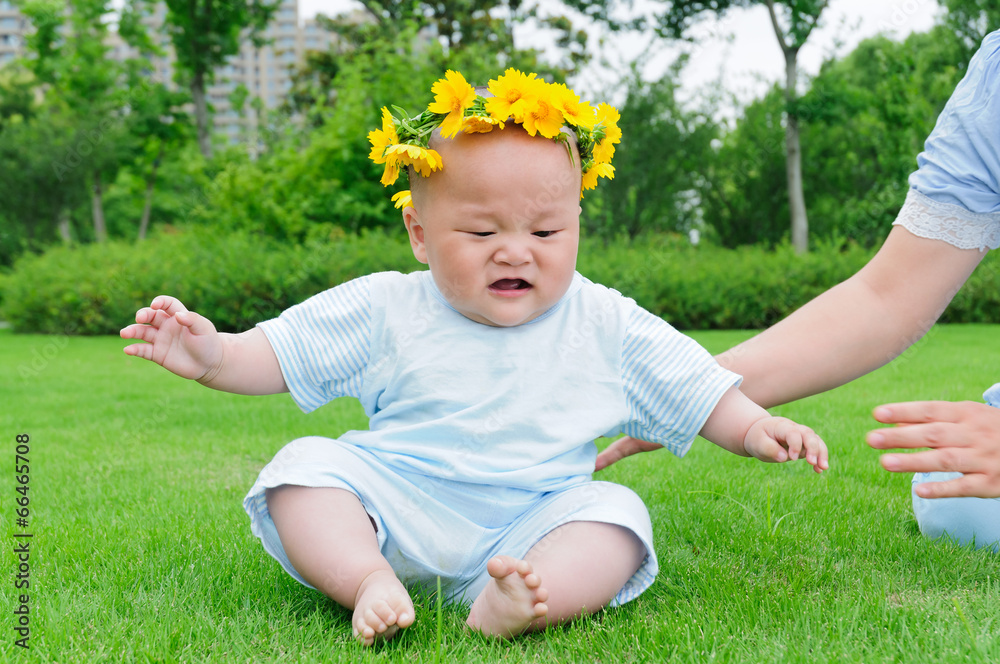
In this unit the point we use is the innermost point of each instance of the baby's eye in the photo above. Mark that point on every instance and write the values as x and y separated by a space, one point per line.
544 233
481 233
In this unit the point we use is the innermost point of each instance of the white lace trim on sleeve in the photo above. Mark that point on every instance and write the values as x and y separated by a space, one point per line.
955 225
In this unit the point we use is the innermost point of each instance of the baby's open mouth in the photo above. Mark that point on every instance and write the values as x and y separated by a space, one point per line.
509 284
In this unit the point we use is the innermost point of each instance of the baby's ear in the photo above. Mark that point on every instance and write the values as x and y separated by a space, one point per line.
416 232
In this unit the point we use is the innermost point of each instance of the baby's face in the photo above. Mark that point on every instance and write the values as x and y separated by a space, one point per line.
499 226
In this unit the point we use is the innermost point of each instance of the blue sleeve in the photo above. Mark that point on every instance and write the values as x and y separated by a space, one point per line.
960 164
671 383
323 343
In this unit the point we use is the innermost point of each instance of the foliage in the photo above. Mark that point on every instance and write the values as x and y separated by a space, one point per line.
793 21
238 279
29 150
745 195
478 43
972 20
865 119
234 279
658 166
204 34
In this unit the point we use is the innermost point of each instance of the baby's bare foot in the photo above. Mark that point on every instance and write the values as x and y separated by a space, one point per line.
512 600
382 607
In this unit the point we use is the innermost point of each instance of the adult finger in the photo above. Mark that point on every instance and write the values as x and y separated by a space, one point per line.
934 434
948 460
972 485
621 448
915 412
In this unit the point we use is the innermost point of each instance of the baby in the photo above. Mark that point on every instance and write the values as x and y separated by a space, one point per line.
486 380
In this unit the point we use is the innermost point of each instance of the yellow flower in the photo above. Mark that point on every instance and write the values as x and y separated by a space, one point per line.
608 117
452 95
391 172
480 124
510 94
403 199
597 170
542 116
422 160
382 138
576 112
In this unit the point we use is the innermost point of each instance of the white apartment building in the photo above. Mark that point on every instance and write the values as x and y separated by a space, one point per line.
12 26
264 72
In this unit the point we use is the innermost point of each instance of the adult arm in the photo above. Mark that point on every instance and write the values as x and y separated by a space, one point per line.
856 326
851 329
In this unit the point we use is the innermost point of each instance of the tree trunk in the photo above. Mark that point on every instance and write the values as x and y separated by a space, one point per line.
97 207
63 226
201 114
793 156
147 204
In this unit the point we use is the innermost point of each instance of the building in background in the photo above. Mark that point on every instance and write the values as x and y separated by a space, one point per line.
258 77
12 27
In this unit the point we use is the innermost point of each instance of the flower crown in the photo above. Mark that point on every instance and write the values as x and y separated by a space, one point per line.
538 106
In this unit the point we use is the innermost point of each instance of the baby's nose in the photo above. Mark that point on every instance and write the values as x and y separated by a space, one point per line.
513 252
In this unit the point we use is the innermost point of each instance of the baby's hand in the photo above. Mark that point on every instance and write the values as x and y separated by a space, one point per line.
778 439
179 340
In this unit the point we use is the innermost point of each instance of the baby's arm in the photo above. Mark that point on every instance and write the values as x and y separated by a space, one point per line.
188 345
742 427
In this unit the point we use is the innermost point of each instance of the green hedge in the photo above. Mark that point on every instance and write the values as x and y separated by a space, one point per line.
236 280
239 279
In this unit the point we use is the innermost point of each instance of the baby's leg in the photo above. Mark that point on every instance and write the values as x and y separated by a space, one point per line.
576 569
331 542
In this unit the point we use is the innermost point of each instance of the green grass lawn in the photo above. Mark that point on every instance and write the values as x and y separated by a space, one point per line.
141 550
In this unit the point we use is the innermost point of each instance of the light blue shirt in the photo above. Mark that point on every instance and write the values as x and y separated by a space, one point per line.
955 192
518 406
960 164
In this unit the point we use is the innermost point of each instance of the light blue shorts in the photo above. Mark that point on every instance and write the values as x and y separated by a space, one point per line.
961 519
429 528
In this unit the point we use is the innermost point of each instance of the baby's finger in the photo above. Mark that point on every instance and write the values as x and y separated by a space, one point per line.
145 351
196 323
770 451
169 305
143 332
793 442
816 452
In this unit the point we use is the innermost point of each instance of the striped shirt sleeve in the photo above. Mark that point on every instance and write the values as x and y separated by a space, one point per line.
323 343
671 383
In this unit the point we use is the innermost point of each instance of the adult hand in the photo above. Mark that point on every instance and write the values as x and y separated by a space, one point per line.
963 437
621 448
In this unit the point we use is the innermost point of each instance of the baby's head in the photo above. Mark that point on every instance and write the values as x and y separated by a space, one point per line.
496 214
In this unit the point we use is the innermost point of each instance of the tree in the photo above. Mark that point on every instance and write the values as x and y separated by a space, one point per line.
204 34
32 207
457 26
659 164
972 20
69 56
157 122
865 118
793 21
